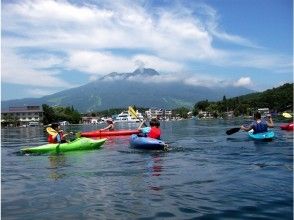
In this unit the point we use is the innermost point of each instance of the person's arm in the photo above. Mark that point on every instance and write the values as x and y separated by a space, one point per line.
246 128
141 124
106 128
270 122
58 138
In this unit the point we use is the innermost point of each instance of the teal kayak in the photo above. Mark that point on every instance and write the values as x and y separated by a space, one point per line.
78 144
262 136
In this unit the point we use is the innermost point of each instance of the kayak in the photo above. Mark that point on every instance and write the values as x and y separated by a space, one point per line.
288 127
146 143
99 133
262 136
78 144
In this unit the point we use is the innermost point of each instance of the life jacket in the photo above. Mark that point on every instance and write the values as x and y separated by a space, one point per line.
154 133
53 140
259 127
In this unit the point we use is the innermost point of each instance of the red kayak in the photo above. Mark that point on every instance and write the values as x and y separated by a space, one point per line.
99 133
288 127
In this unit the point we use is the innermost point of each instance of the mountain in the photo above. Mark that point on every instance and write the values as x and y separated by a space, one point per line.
119 90
148 72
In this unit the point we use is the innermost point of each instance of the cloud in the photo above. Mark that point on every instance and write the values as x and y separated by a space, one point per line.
37 92
243 82
101 63
98 63
212 24
99 37
19 70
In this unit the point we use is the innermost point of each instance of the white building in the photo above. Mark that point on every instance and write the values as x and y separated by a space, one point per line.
263 111
24 116
90 120
205 114
158 113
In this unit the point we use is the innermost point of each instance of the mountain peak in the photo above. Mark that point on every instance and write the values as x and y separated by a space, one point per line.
145 71
123 76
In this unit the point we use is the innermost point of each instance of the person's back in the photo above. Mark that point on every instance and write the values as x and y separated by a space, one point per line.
259 126
155 131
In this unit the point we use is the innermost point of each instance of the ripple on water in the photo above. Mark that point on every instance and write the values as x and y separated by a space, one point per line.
205 175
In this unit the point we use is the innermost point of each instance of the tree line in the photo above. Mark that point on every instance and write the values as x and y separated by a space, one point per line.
277 100
58 113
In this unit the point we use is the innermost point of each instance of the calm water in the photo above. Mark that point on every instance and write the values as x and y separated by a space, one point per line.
205 175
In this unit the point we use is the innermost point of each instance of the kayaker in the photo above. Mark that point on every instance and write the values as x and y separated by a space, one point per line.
56 135
110 126
153 131
259 125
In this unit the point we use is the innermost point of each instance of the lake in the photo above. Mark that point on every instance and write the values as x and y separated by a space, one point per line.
204 175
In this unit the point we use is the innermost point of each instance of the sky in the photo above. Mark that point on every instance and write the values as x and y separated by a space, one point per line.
50 46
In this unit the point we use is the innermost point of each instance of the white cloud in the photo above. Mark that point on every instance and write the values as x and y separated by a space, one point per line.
157 63
102 63
117 36
37 92
98 63
243 81
17 70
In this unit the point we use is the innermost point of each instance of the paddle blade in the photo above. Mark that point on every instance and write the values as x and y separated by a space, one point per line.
132 112
78 134
287 115
51 131
232 131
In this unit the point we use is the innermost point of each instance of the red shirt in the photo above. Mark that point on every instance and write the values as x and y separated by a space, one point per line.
154 133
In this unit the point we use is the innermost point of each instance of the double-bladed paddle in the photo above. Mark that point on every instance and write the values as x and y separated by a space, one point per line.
232 130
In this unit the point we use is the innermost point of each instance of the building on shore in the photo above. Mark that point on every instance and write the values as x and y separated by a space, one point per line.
90 120
161 114
263 111
23 116
205 114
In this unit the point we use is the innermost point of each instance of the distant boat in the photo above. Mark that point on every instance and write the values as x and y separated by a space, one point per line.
126 117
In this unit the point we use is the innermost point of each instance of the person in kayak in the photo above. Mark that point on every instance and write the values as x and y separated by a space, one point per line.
110 126
259 125
56 135
153 131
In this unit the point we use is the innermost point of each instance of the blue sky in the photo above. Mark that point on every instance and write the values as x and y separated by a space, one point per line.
49 46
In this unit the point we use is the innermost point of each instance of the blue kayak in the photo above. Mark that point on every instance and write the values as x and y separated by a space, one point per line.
146 143
262 136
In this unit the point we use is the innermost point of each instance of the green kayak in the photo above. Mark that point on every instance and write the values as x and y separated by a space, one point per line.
78 144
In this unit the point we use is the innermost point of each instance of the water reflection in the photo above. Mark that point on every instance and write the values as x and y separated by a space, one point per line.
56 162
154 167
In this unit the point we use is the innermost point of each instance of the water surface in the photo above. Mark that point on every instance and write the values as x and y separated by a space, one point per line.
205 175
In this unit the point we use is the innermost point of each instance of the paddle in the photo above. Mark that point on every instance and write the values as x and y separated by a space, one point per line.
133 113
287 115
54 133
232 131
